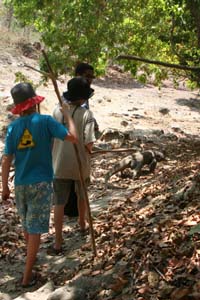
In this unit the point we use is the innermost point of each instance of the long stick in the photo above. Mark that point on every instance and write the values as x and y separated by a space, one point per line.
53 78
119 150
77 156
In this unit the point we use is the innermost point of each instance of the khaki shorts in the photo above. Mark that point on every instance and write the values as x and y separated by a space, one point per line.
62 188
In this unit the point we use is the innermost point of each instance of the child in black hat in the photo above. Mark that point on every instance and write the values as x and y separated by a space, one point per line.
29 142
86 71
66 169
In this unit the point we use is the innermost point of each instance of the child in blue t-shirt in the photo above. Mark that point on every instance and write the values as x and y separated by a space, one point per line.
29 142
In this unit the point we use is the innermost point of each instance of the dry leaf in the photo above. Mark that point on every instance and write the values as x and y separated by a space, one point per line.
180 293
119 284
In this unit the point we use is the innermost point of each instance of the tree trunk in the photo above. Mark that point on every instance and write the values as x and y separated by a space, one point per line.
9 17
194 7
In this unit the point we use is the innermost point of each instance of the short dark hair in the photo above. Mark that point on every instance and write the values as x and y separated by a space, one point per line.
82 67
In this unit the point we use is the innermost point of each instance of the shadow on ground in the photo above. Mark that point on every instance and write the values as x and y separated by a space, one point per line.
192 103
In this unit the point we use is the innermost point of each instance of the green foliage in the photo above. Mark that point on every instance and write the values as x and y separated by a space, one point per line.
97 31
20 77
142 78
192 84
54 60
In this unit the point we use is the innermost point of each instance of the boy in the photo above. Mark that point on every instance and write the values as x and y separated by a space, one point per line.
66 169
29 142
86 71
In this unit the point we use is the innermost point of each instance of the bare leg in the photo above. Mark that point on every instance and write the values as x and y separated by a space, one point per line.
58 223
26 236
33 243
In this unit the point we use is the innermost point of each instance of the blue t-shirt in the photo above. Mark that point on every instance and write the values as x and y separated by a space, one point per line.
29 139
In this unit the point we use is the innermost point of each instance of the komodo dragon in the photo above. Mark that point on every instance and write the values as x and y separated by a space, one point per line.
136 162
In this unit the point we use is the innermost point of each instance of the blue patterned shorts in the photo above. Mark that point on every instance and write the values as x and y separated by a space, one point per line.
33 203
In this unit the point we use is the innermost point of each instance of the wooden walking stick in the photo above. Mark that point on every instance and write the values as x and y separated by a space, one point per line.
53 78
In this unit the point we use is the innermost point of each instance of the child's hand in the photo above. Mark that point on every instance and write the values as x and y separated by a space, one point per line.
65 108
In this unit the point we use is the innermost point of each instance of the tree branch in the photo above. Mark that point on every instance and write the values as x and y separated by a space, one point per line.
39 71
155 62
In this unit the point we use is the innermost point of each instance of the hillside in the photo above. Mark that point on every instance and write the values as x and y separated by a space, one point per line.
145 247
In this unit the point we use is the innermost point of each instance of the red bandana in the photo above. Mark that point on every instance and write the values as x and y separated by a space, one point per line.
26 104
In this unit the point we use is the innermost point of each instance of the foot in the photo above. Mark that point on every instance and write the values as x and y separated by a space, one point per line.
53 251
84 229
32 281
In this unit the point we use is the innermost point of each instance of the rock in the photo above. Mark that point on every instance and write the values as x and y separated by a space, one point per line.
9 107
112 135
68 293
4 296
138 116
124 123
164 111
153 279
47 288
37 45
40 294
176 128
158 132
170 136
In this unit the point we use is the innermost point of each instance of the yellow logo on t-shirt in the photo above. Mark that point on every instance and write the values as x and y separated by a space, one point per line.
26 140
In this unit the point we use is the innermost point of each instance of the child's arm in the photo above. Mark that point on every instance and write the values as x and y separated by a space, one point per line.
89 147
6 164
72 135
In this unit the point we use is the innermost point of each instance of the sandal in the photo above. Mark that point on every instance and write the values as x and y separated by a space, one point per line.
53 251
31 283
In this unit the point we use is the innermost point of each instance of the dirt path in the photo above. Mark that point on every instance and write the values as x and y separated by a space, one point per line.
115 103
119 102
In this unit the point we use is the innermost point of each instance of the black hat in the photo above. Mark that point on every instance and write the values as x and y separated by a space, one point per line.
78 89
24 97
21 92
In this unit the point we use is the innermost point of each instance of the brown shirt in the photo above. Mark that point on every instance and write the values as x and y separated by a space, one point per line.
64 158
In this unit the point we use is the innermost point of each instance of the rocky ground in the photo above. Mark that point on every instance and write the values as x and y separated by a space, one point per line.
145 246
